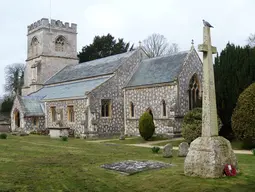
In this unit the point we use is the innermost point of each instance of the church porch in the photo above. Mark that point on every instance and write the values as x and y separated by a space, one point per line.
27 114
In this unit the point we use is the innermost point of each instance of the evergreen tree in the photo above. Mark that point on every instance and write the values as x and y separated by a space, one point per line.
234 71
6 105
102 47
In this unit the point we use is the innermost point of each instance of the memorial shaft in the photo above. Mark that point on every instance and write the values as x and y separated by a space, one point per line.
209 114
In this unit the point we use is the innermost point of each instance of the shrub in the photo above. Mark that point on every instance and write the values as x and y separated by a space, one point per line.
146 126
43 132
64 138
192 125
248 143
243 117
34 133
155 149
253 151
3 136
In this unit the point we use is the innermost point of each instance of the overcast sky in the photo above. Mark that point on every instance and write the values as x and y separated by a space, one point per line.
178 20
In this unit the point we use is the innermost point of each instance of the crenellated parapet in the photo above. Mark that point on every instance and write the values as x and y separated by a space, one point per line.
52 24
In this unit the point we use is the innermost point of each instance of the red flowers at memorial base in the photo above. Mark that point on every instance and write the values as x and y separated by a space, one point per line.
229 170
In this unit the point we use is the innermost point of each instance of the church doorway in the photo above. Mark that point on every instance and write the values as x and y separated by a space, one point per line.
17 118
194 96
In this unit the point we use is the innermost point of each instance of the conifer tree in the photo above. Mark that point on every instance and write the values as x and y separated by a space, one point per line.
234 71
103 46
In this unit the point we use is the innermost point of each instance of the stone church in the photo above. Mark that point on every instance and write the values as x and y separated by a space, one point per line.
104 96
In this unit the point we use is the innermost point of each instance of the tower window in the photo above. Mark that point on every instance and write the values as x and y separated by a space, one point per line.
60 44
34 45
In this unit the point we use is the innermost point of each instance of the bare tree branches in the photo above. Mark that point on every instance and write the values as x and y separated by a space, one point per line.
174 48
14 78
251 40
156 45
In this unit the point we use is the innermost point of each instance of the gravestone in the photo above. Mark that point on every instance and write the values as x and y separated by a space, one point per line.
209 153
131 167
122 136
183 149
168 150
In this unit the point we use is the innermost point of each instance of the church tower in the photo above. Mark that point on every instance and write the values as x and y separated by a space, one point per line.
51 45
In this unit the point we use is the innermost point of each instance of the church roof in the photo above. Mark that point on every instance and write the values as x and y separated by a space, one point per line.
32 106
71 89
157 70
88 69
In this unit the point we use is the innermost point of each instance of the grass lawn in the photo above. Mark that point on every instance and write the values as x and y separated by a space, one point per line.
136 140
38 163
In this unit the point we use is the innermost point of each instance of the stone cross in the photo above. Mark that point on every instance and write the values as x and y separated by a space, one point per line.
209 114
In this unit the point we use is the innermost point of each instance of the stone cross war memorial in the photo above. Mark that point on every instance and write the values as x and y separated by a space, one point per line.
209 153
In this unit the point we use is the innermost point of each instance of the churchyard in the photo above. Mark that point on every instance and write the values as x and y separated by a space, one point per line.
38 163
204 161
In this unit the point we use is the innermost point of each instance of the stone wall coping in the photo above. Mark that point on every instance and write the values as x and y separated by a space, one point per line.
58 128
171 83
167 118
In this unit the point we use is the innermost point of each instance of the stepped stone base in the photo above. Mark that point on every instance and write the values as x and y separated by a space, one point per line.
207 156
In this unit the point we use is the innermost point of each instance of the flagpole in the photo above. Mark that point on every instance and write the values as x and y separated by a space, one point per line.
50 16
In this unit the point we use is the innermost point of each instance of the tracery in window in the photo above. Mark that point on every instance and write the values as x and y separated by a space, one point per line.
194 98
105 107
34 45
60 44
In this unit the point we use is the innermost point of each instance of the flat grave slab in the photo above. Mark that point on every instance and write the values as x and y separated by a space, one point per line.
131 167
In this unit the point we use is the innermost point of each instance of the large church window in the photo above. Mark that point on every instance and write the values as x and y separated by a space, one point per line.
194 98
34 45
60 44
132 109
105 107
163 108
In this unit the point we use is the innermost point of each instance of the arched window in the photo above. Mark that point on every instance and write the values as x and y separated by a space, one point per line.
163 108
60 44
106 107
194 99
34 45
132 109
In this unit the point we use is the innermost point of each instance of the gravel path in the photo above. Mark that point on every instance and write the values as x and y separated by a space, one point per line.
176 148
151 143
